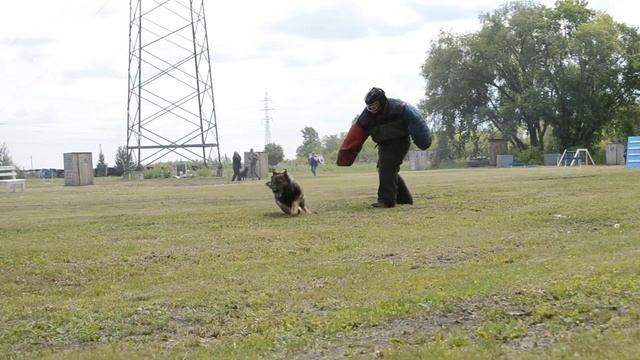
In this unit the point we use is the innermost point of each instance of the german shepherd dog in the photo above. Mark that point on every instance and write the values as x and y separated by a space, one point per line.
288 194
242 175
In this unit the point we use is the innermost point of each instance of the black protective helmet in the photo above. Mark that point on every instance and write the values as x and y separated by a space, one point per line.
375 99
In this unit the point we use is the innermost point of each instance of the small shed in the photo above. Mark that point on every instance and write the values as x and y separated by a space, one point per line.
615 154
262 168
78 169
419 160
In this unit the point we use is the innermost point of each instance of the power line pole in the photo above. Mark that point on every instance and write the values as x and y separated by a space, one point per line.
267 119
170 109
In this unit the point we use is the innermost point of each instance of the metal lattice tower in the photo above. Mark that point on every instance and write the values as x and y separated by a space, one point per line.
171 108
267 119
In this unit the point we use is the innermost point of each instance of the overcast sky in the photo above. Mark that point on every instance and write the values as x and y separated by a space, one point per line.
63 73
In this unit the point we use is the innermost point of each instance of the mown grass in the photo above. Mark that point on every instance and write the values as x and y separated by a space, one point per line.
487 263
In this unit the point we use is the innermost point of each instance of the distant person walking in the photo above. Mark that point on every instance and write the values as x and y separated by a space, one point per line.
253 162
313 163
237 164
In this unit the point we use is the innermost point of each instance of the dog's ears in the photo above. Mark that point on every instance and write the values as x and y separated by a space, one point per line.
284 172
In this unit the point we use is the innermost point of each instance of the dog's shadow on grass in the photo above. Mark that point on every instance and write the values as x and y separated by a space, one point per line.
281 215
276 215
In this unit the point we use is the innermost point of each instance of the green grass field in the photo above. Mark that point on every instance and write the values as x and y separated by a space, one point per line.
488 263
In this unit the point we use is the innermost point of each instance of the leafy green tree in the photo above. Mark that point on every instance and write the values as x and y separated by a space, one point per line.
330 146
597 73
124 161
274 153
627 122
101 167
5 157
488 78
368 153
310 143
532 68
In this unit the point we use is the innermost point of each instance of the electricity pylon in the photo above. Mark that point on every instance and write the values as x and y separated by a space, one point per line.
267 119
170 108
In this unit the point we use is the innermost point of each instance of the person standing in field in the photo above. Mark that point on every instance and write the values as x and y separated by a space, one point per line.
237 164
253 164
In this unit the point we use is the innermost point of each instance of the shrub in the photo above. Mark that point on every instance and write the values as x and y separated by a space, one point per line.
158 172
531 156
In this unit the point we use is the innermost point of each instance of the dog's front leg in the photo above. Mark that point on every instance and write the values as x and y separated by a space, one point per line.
305 209
284 207
295 208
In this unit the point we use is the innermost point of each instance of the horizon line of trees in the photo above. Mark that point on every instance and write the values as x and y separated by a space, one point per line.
544 78
533 74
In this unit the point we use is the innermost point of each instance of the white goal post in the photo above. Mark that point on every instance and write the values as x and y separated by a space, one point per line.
576 157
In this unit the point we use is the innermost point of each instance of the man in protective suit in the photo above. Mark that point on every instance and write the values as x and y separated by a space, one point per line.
391 123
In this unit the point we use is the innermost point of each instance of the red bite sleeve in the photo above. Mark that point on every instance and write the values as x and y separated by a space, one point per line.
351 145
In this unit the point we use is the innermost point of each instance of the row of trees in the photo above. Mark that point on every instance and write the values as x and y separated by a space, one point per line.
123 161
531 70
329 145
545 78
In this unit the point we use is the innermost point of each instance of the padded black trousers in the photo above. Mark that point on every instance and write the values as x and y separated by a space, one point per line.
392 188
